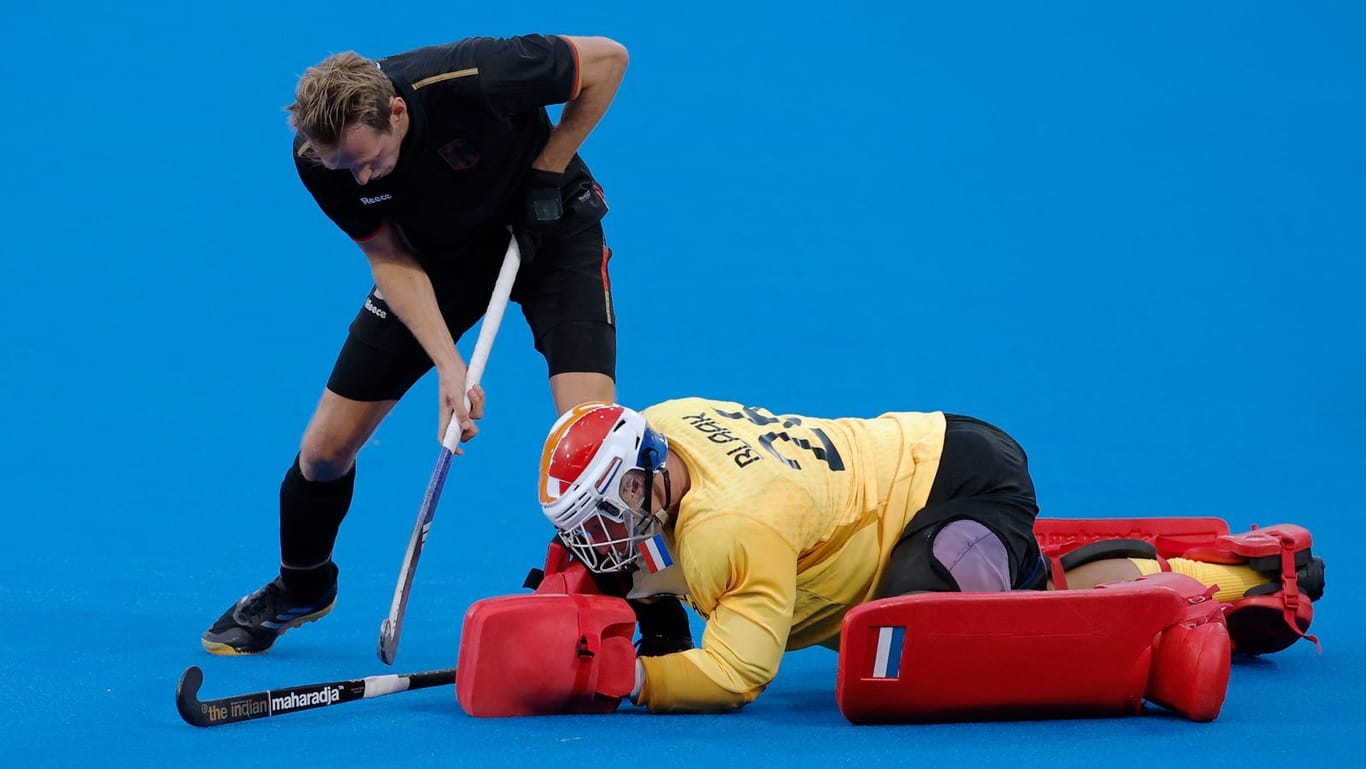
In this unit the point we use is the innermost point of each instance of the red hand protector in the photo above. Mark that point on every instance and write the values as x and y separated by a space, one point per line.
543 654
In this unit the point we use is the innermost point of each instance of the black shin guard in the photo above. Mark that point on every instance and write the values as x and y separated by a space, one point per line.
311 513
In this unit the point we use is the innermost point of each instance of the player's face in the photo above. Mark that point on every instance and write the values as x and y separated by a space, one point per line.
602 531
368 154
607 531
632 490
611 530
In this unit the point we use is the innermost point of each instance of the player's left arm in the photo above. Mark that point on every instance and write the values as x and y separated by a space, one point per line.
601 63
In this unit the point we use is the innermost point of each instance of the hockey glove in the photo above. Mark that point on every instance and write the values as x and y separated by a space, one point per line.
542 211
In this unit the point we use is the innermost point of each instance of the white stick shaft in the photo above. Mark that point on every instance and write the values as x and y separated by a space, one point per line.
488 329
392 626
378 686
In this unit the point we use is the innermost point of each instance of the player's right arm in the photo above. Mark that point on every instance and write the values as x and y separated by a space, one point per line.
744 575
408 291
399 278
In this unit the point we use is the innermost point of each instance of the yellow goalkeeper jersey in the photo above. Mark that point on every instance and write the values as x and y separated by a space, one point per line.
787 525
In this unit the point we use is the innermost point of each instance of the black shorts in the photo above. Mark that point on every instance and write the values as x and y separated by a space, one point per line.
983 480
565 296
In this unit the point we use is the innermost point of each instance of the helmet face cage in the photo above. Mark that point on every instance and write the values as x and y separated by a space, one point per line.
606 540
599 447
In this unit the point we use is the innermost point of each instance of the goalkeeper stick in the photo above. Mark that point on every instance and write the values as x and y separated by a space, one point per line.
393 624
292 699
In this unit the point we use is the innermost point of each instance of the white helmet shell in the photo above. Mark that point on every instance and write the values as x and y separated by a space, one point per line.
588 452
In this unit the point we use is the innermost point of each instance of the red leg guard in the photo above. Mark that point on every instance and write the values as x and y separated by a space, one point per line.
1267 619
1171 536
963 656
1167 536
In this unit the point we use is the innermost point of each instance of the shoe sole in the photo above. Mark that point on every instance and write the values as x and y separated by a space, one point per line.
226 650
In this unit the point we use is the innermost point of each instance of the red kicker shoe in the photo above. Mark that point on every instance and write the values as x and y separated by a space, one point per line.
1270 617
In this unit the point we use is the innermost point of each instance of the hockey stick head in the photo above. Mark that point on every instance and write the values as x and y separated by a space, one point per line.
187 696
388 641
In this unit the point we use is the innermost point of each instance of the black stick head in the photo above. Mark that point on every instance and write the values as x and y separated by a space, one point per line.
187 696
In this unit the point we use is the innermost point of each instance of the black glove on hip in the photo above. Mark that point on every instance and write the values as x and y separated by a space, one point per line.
542 211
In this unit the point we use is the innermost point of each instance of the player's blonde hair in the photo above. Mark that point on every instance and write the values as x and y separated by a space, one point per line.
341 91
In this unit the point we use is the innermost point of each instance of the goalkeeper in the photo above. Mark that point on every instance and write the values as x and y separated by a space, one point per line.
775 525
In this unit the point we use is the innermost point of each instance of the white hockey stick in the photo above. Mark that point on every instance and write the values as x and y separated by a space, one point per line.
502 289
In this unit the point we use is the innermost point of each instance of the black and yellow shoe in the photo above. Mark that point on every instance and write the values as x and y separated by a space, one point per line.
251 625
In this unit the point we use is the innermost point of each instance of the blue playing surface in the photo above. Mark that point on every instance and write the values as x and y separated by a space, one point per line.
1133 236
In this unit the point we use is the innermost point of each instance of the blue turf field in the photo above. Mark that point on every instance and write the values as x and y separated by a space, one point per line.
1134 238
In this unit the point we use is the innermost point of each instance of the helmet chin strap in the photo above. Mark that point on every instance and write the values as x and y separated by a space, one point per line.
663 515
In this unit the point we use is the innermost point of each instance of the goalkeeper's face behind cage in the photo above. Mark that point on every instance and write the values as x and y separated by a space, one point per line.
599 467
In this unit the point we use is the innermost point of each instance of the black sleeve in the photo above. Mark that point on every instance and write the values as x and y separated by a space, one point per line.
521 74
338 198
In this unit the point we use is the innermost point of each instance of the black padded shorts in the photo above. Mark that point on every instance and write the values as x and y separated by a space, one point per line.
976 531
565 296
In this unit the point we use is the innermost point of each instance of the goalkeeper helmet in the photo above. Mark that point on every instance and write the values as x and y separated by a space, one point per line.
590 451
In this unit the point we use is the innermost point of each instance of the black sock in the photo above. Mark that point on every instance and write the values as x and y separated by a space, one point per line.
310 516
307 584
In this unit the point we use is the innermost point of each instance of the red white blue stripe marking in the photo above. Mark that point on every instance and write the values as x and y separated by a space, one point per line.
887 660
655 554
